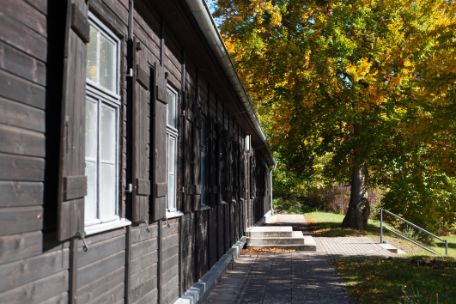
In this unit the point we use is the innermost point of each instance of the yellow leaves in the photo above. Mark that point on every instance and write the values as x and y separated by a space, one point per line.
361 71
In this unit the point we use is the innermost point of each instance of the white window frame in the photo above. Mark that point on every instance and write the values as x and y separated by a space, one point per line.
172 132
103 96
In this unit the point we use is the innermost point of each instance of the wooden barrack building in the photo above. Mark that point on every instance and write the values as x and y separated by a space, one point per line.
130 157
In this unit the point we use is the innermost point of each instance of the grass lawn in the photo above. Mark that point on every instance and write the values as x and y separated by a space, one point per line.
418 277
399 280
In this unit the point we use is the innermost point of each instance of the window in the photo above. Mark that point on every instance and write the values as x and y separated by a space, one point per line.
102 129
203 161
171 139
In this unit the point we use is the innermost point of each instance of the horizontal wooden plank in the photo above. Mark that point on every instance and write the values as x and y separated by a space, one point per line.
40 5
150 297
59 299
21 64
91 272
140 249
171 228
32 269
140 291
18 89
22 219
140 263
114 295
21 168
142 233
20 246
171 251
170 241
15 194
169 263
22 142
26 15
143 276
100 250
37 291
15 33
16 114
101 285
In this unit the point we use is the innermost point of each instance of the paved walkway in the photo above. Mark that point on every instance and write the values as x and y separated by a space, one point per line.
291 278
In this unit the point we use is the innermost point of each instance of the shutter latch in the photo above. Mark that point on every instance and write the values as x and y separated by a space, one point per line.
81 236
129 188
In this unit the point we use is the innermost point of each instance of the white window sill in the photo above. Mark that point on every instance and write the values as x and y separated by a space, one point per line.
204 208
106 226
173 214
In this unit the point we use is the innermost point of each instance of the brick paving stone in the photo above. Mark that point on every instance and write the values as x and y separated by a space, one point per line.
292 278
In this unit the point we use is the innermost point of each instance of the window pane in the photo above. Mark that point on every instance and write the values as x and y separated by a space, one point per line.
171 99
91 130
108 191
107 64
92 55
90 207
171 172
107 134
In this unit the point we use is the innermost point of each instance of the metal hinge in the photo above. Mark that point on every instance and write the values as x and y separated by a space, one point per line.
129 188
130 72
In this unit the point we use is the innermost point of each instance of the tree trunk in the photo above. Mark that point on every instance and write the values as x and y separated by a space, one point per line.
358 208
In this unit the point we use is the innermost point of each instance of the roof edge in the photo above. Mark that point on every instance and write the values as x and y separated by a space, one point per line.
203 17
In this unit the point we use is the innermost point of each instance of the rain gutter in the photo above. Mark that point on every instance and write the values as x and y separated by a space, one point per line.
202 15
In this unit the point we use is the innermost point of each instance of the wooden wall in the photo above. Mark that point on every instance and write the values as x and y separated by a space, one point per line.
151 262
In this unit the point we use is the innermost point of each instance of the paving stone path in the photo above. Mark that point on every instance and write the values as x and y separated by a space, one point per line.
291 278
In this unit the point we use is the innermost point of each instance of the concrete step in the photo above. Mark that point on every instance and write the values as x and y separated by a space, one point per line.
297 247
296 238
269 231
391 248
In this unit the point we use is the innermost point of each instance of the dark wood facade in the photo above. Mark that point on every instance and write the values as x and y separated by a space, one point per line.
46 256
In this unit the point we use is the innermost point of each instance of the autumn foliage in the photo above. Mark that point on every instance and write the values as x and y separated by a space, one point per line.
370 84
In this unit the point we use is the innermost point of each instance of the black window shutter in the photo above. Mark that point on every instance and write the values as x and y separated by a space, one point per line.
160 188
72 179
197 124
252 177
187 154
220 160
212 153
140 109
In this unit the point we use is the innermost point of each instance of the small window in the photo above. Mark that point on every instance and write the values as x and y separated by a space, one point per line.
171 137
102 129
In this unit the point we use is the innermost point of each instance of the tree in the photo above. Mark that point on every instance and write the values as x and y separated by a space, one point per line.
348 78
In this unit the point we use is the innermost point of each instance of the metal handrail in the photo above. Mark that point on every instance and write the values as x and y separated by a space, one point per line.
405 237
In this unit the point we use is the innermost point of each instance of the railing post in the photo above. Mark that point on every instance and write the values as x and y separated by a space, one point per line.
446 247
381 225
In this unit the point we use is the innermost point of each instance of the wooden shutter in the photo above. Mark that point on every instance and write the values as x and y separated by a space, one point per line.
220 179
160 187
252 177
140 130
197 124
72 179
187 154
212 161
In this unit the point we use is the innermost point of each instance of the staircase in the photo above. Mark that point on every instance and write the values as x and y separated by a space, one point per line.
279 237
